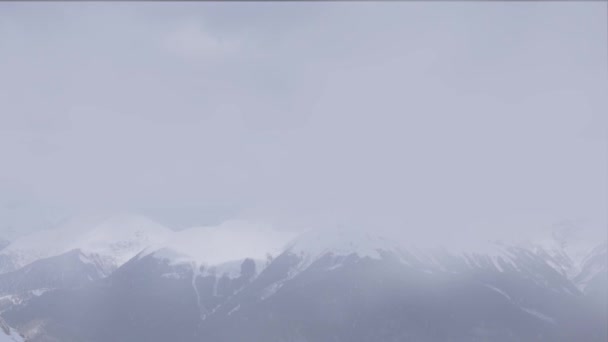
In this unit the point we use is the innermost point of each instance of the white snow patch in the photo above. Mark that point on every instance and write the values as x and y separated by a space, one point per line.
39 292
503 293
496 262
171 275
271 290
539 315
195 274
333 267
84 259
235 309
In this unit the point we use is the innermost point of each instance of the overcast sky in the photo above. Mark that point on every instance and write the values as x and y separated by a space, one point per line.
463 117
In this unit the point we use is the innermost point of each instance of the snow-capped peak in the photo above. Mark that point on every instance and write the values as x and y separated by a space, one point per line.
315 244
116 239
593 265
214 245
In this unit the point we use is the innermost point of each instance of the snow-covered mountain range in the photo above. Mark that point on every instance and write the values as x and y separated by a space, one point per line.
112 240
244 282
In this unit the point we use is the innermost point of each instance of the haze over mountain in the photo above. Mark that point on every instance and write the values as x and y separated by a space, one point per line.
292 172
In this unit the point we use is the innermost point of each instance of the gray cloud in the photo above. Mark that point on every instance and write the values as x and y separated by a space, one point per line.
434 117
